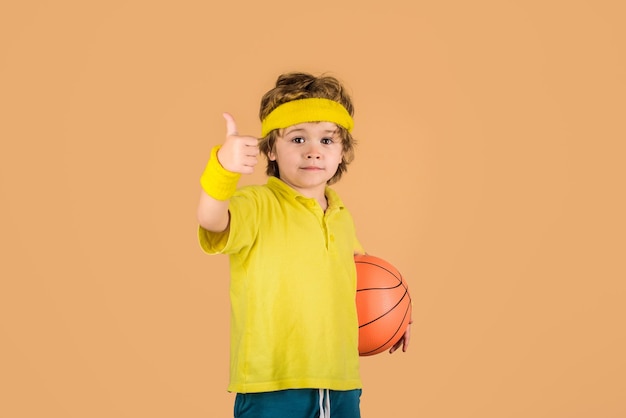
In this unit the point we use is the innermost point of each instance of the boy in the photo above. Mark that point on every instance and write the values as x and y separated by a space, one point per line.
291 242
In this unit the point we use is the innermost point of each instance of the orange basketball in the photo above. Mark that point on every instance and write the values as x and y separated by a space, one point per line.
383 304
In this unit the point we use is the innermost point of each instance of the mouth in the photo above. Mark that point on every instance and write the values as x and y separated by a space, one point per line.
312 168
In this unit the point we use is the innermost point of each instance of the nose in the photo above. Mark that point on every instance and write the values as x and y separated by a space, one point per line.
313 152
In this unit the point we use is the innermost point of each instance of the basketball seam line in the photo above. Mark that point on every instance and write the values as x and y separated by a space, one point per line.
394 334
390 309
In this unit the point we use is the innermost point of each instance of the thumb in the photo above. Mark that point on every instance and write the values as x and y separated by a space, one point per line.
231 126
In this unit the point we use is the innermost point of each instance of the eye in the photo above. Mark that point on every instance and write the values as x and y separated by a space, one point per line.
327 141
297 139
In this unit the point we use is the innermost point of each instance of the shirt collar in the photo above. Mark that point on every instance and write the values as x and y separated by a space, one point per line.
279 186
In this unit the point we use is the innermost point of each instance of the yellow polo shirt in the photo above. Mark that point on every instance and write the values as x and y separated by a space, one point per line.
292 290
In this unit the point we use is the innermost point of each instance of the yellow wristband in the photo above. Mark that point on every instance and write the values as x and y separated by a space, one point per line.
216 181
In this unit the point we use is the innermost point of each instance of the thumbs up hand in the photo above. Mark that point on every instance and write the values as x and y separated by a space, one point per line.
238 154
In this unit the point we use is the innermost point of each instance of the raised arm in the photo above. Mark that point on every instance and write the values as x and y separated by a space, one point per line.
238 155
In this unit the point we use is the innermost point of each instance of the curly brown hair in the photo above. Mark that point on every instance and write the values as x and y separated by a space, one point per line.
295 86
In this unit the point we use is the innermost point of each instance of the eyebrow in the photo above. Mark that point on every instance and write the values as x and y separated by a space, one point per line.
289 131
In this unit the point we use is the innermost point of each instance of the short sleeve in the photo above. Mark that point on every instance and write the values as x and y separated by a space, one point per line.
213 242
242 228
358 248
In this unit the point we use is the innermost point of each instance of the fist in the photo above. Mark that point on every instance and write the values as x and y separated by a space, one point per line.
238 154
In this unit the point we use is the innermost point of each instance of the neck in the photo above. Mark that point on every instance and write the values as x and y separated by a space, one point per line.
323 203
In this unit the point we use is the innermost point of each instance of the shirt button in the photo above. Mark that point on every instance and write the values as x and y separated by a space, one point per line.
332 238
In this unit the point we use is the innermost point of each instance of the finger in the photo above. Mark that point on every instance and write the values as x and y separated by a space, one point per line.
253 151
250 161
403 341
247 169
252 144
407 339
231 126
396 346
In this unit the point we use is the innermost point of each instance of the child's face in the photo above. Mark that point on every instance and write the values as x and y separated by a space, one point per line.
308 155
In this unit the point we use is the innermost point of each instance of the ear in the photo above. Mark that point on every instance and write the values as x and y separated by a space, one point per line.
271 155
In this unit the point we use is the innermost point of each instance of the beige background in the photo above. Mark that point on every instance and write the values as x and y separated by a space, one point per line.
490 171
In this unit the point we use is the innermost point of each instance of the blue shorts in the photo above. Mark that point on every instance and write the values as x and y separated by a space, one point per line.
298 403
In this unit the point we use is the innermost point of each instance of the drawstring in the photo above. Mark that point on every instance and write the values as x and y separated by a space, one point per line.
327 404
324 406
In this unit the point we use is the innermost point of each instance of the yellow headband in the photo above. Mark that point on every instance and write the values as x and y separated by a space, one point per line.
306 110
